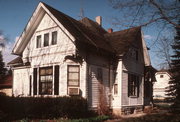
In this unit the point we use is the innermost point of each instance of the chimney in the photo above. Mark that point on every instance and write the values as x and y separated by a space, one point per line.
110 30
99 20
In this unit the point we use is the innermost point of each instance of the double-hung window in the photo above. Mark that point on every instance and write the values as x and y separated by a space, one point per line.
45 80
73 75
54 38
46 39
38 41
133 85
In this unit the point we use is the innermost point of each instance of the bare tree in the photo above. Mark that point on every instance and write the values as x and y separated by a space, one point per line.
163 50
145 12
161 15
3 40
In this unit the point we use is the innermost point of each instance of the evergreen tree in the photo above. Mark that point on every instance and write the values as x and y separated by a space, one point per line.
174 88
2 67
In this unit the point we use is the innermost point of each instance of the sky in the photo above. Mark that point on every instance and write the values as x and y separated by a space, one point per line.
14 15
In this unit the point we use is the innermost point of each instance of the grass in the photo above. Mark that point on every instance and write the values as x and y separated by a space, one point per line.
155 118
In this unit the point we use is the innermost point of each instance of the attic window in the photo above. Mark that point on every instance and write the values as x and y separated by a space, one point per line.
38 41
161 76
46 39
54 38
134 54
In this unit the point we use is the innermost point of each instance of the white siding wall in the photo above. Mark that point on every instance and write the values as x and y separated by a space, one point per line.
47 56
132 66
21 82
161 85
53 53
116 98
94 86
94 63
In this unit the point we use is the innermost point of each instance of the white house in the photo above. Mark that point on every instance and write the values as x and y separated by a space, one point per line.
161 85
60 56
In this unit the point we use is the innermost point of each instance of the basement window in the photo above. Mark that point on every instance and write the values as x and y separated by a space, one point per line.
54 38
46 39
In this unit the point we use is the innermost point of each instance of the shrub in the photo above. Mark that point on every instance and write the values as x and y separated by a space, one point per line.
42 108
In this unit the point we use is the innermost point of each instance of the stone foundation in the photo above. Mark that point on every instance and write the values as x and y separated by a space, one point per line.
127 110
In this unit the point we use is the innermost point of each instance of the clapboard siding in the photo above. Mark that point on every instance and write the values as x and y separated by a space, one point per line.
21 82
94 86
125 99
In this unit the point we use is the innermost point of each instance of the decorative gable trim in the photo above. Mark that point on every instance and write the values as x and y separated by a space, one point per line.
31 26
145 51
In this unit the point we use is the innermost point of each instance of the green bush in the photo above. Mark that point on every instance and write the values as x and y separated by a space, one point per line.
42 108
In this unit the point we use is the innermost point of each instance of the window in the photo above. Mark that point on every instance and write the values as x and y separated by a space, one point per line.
100 75
133 85
73 75
161 76
54 38
115 88
46 39
45 80
38 41
134 53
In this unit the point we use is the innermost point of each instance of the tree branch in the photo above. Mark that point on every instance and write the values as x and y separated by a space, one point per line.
163 14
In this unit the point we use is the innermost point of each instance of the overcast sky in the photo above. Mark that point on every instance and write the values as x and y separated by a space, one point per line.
14 15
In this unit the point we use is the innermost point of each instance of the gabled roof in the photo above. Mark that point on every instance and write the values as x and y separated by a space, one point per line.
16 61
77 29
164 71
94 26
85 31
122 40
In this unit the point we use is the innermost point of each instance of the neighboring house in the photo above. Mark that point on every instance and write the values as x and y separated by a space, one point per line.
6 85
59 56
161 84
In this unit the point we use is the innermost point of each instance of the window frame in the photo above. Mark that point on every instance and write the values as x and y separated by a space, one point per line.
161 76
46 82
115 89
38 43
44 44
134 53
133 85
73 72
52 38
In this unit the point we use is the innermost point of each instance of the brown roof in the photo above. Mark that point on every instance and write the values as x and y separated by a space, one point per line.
90 32
94 26
16 61
122 40
165 71
6 82
82 32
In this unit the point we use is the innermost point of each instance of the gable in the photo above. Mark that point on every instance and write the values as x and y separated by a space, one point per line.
35 52
46 23
40 12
